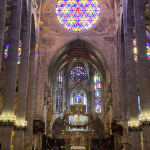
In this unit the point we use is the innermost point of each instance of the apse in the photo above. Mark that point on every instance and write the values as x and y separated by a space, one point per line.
78 75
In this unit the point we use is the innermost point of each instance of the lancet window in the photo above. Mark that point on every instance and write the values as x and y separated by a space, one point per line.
78 96
139 104
59 92
97 92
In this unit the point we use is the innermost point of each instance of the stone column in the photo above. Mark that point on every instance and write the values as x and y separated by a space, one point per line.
149 6
125 140
104 98
7 118
131 76
23 79
39 107
40 89
135 140
122 74
143 72
3 4
134 137
145 136
31 92
65 90
116 87
5 139
30 105
131 72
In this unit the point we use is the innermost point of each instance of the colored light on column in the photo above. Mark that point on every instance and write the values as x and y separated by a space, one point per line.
7 47
135 50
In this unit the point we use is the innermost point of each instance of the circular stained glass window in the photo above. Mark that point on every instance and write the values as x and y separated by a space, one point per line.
78 73
77 15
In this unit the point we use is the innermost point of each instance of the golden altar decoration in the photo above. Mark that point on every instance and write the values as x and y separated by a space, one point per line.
77 132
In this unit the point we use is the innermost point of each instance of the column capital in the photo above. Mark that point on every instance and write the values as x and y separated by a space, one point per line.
20 124
135 129
7 119
145 123
7 123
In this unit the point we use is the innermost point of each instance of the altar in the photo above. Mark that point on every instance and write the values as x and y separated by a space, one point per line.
77 130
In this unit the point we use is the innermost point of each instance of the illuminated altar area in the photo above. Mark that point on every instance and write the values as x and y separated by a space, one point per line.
77 123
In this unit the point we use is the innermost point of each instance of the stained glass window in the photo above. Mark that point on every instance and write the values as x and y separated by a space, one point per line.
97 92
77 15
139 104
59 93
19 52
78 73
78 96
135 50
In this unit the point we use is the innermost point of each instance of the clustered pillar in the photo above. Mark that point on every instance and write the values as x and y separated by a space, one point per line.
13 117
143 70
39 107
30 104
23 80
149 6
133 123
137 74
2 26
7 118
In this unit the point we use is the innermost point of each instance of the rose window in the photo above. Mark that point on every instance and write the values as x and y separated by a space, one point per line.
77 15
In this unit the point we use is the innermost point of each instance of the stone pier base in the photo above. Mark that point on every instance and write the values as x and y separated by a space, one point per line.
5 138
146 137
135 140
19 140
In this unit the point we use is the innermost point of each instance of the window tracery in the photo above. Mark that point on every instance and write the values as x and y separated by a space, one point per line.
77 15
97 92
78 74
59 93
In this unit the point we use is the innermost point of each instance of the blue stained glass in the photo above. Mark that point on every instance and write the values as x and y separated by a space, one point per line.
78 73
139 104
97 92
80 5
62 5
